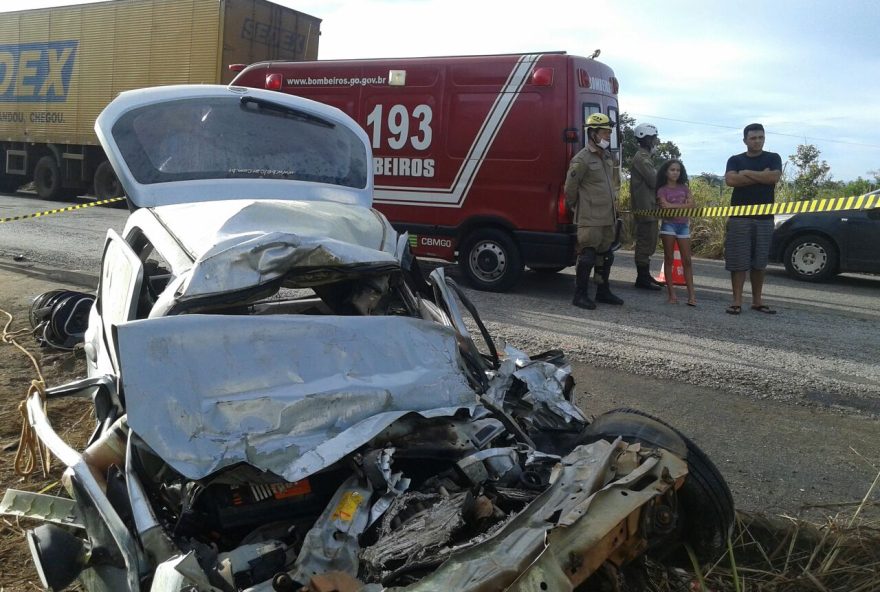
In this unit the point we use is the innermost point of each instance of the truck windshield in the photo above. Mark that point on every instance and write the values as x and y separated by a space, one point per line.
224 138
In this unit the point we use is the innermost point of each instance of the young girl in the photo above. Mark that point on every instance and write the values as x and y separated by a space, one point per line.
673 192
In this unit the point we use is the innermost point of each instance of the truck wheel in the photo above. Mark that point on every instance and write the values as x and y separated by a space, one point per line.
811 258
705 503
47 178
106 183
490 260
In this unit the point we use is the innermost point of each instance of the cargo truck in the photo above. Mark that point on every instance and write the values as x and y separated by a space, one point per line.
59 67
469 152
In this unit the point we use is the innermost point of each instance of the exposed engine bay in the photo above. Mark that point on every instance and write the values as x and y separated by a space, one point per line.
389 515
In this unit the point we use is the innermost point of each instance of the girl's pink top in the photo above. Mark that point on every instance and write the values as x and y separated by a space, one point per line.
674 195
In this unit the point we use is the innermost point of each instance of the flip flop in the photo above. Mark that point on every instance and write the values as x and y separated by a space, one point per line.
691 303
763 308
733 309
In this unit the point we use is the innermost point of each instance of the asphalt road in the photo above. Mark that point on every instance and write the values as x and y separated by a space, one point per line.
788 405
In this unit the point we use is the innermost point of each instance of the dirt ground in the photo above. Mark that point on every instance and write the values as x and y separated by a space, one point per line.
71 418
758 484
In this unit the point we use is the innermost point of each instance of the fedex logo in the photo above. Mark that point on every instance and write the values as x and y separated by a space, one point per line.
36 72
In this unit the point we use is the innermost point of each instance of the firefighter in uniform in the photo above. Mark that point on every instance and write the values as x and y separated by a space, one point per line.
643 196
591 187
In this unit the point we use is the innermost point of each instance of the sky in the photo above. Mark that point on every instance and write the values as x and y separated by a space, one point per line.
698 70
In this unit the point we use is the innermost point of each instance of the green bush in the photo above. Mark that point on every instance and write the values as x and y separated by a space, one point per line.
707 234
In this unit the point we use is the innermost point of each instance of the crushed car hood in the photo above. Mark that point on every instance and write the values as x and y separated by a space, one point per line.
289 395
240 244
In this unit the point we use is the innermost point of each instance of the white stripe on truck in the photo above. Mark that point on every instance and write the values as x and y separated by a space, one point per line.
454 196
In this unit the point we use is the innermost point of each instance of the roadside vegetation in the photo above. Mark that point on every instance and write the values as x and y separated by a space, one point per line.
784 554
805 176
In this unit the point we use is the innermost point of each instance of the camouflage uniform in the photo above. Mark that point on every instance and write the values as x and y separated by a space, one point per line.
591 188
643 196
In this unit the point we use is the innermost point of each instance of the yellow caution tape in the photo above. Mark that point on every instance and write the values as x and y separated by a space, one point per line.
836 204
91 204
856 202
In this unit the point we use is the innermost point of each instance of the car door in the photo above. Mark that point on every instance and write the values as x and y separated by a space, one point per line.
122 276
862 241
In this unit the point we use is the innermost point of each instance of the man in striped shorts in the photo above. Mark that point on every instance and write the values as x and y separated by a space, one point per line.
753 176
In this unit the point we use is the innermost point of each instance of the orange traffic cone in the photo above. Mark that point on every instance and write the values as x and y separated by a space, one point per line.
677 270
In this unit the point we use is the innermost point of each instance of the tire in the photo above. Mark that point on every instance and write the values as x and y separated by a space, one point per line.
490 260
106 183
548 270
811 258
47 178
705 503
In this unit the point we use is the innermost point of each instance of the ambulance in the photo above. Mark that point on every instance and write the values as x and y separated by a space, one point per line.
469 152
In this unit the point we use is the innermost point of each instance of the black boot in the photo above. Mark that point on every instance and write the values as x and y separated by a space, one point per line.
644 279
604 295
585 263
603 289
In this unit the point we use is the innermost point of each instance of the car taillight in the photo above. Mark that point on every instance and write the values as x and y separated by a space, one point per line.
273 81
571 135
563 214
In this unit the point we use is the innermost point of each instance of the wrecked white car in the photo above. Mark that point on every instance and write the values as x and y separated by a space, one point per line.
284 403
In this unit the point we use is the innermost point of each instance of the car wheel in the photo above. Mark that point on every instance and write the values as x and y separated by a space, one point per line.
705 502
47 178
106 183
490 260
811 258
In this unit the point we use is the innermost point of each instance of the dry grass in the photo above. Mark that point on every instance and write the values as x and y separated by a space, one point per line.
782 554
707 237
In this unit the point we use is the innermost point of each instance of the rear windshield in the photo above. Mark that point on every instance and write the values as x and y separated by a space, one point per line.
235 137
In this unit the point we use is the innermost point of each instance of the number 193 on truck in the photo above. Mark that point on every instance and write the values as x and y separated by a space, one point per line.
470 152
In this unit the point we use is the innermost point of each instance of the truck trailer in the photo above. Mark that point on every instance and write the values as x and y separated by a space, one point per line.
59 67
469 152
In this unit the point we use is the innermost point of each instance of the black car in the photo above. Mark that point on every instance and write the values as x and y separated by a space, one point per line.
817 246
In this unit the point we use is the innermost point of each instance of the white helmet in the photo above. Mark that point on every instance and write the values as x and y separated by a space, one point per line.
645 129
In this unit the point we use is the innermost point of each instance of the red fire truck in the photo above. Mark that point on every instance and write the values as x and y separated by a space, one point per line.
470 152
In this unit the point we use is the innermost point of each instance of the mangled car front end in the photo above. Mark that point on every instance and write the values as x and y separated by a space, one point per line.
283 401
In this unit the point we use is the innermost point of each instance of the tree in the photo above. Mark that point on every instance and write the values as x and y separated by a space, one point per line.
811 173
629 145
